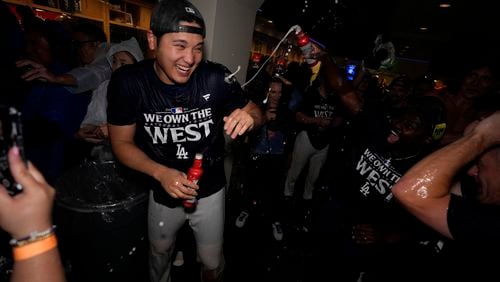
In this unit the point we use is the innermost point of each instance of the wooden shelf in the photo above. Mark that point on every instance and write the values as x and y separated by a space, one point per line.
130 13
120 17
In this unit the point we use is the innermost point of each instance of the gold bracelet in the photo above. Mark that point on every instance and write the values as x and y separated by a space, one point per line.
33 249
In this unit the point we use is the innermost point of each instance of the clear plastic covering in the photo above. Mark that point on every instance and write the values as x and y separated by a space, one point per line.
96 186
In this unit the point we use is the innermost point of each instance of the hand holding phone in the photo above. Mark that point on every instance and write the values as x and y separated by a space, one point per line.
10 135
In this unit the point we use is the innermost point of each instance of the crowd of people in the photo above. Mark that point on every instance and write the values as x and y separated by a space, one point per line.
381 175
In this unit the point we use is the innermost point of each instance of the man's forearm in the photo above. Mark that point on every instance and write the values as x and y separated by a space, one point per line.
133 157
337 81
254 111
433 176
425 189
127 152
64 79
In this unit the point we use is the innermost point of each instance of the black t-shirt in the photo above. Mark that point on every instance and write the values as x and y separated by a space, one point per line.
373 174
473 223
315 105
475 228
174 122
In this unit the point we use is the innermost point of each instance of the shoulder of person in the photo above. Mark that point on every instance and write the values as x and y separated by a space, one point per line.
139 71
213 67
136 67
216 70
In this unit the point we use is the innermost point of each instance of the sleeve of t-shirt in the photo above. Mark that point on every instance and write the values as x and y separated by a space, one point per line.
123 100
89 77
470 221
236 97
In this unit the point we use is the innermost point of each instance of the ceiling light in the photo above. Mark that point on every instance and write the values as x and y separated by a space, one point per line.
444 5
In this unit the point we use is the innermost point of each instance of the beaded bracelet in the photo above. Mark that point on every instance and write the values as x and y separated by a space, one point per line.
36 248
33 237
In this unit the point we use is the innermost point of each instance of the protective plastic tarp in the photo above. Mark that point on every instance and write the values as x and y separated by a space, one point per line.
99 187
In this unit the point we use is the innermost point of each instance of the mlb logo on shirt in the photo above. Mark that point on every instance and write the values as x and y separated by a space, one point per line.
178 110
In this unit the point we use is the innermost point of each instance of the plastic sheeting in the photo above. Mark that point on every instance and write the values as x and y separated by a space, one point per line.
100 187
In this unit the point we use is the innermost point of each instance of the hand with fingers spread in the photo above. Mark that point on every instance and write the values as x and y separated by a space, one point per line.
237 123
177 185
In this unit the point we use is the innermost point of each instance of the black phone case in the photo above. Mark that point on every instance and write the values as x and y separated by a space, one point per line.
11 134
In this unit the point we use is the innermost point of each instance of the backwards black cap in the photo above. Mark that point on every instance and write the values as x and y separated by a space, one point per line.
168 14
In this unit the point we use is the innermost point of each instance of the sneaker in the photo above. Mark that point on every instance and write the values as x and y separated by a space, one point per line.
179 259
277 231
242 218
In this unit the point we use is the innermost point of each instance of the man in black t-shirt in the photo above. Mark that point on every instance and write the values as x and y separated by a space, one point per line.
318 115
375 228
473 224
161 112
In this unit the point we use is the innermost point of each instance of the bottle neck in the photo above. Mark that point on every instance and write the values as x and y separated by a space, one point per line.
197 163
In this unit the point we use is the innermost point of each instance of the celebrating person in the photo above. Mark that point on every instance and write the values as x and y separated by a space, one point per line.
428 190
161 113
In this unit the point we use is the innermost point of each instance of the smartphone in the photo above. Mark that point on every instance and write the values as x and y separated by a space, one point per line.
24 69
11 134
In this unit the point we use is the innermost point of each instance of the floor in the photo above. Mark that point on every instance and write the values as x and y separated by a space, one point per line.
252 253
111 246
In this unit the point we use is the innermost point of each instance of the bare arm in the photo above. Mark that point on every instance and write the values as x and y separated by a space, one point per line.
173 181
46 267
40 72
337 81
242 120
28 212
425 189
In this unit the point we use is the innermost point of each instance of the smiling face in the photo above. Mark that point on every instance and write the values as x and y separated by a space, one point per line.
178 54
409 129
121 58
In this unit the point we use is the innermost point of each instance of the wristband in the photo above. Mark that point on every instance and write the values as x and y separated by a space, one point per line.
33 237
30 250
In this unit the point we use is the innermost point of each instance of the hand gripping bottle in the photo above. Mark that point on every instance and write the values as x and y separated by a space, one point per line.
194 174
305 46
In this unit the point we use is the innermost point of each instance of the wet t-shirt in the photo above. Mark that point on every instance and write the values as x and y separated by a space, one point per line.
317 106
174 122
474 224
374 171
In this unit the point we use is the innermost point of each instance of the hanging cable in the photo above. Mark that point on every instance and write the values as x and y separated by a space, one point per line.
270 56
